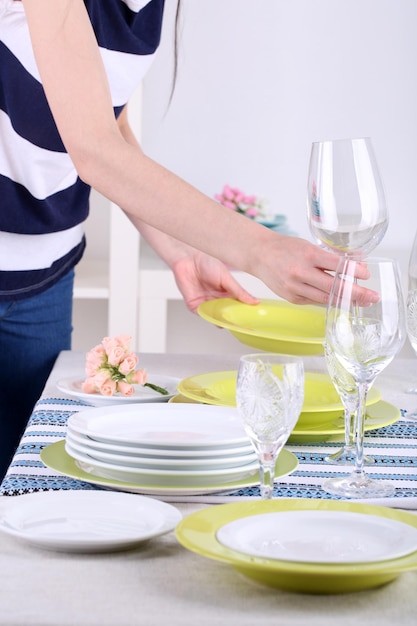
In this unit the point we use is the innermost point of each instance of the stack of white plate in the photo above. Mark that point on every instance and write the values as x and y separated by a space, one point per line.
162 444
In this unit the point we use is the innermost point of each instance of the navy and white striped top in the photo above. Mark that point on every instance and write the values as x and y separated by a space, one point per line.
43 202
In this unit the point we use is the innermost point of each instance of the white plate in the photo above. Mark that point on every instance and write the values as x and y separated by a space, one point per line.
72 387
163 425
154 476
319 537
178 453
55 457
162 463
86 521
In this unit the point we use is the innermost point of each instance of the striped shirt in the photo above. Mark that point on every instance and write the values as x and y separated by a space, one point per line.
43 202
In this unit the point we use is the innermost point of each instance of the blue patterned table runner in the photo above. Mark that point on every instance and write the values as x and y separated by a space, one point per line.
393 448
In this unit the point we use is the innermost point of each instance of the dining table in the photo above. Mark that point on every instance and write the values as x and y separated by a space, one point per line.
162 582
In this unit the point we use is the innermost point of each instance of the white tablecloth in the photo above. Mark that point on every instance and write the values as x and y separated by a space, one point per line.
161 581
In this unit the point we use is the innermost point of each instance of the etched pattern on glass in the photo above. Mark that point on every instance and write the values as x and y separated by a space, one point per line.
412 318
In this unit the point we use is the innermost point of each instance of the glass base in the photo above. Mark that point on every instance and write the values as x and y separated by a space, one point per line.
346 456
411 416
358 487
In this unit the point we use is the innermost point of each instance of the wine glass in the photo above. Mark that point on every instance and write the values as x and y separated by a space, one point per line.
412 309
346 388
364 340
269 398
346 208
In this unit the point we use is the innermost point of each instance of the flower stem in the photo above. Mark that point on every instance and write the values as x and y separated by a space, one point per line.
160 390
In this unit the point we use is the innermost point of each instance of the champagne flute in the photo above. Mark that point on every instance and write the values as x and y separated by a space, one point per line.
346 208
364 340
269 398
412 309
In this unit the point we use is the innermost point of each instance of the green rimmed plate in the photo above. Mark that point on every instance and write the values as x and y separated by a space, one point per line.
271 325
321 400
378 415
198 532
55 457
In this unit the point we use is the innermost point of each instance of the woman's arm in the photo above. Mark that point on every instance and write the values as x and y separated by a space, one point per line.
77 89
199 276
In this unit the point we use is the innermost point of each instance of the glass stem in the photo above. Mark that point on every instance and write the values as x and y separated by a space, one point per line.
349 428
360 428
267 473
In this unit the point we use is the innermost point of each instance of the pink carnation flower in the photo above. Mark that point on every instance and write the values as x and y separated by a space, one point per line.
128 364
139 377
125 388
110 368
108 387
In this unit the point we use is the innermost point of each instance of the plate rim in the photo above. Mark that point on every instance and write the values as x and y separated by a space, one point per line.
228 374
170 518
162 472
101 412
158 460
201 310
214 517
63 385
346 516
159 452
58 447
340 430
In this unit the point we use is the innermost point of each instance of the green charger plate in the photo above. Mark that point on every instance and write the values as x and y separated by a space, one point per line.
378 415
198 532
55 457
271 325
321 403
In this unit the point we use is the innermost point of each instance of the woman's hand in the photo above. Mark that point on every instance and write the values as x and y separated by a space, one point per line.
302 272
200 277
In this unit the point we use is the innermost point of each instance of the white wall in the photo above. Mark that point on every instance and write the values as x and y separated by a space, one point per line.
258 81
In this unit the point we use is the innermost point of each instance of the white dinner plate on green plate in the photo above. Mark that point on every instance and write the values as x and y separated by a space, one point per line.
86 521
199 532
319 537
271 325
56 458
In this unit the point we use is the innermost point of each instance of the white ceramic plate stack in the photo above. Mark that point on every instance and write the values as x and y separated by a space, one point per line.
179 445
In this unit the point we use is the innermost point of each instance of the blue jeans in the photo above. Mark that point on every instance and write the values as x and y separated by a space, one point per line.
32 333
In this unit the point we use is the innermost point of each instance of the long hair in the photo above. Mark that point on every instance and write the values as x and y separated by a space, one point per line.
175 69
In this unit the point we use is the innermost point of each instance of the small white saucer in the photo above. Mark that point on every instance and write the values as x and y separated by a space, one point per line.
86 521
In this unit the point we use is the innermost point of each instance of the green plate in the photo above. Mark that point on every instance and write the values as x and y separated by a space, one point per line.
198 532
321 400
377 416
55 457
271 325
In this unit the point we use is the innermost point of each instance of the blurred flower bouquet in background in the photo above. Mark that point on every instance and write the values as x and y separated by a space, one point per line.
253 207
235 199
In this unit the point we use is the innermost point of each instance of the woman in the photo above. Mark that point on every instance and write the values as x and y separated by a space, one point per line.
67 70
